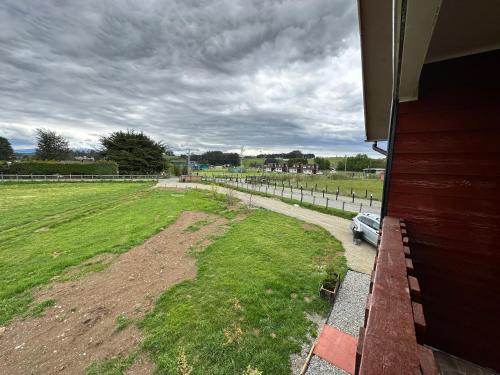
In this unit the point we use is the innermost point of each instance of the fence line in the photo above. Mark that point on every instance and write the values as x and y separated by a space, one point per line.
73 177
306 181
328 200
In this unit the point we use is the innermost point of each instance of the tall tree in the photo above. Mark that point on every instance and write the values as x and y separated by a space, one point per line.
135 153
51 146
359 162
6 151
323 163
297 161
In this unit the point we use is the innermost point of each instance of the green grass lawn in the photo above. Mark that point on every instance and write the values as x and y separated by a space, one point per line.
246 307
45 228
332 182
247 303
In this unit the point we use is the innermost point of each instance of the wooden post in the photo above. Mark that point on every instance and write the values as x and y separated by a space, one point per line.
327 202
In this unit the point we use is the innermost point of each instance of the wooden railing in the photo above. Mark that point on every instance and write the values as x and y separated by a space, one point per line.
391 341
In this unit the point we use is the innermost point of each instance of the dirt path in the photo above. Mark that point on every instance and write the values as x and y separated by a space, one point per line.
360 258
81 327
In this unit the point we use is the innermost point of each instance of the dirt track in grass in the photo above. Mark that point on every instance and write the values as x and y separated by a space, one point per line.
81 327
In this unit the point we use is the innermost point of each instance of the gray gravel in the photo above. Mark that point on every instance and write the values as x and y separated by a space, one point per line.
348 312
319 367
347 315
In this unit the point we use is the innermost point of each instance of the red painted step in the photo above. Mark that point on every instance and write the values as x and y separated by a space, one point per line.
337 348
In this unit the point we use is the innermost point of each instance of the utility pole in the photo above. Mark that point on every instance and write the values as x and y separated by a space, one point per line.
189 162
242 150
345 164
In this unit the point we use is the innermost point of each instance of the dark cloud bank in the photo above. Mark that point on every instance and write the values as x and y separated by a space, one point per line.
269 75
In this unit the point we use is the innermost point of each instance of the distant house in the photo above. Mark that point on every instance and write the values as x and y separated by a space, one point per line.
269 168
274 167
309 169
296 168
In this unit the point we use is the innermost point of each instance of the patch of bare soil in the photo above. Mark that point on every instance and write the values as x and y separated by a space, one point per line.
81 328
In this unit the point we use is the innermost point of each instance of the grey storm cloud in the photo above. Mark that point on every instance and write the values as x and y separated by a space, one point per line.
267 75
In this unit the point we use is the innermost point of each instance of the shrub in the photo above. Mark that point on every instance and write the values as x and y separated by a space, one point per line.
54 167
337 269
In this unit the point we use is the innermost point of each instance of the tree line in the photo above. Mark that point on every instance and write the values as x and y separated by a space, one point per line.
359 162
134 152
216 158
295 154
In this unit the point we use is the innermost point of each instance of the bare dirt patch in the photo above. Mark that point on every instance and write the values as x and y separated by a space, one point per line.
93 316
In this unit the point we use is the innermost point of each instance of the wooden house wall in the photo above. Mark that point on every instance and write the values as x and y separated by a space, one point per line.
445 183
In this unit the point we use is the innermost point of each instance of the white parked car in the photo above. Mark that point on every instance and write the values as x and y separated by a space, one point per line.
369 226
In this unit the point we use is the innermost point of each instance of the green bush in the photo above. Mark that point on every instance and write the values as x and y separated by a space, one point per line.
54 167
335 270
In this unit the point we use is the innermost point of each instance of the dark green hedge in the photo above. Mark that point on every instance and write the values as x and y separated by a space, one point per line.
54 167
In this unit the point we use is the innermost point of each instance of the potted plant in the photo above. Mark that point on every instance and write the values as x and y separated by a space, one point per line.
330 284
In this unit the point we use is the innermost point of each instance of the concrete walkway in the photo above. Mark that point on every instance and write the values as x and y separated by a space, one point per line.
360 258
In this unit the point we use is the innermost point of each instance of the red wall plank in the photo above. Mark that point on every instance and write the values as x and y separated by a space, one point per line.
468 187
445 183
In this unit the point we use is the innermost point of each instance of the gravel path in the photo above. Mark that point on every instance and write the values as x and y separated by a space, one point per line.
348 312
359 257
347 315
317 366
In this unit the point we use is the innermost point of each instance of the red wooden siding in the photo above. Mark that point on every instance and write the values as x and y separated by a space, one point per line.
445 184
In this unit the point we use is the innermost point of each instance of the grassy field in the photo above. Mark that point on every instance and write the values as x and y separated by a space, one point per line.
247 304
45 228
245 308
360 186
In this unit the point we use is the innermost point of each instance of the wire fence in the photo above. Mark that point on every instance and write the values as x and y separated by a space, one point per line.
311 196
77 177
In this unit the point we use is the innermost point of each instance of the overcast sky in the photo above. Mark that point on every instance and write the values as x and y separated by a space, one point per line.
205 74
